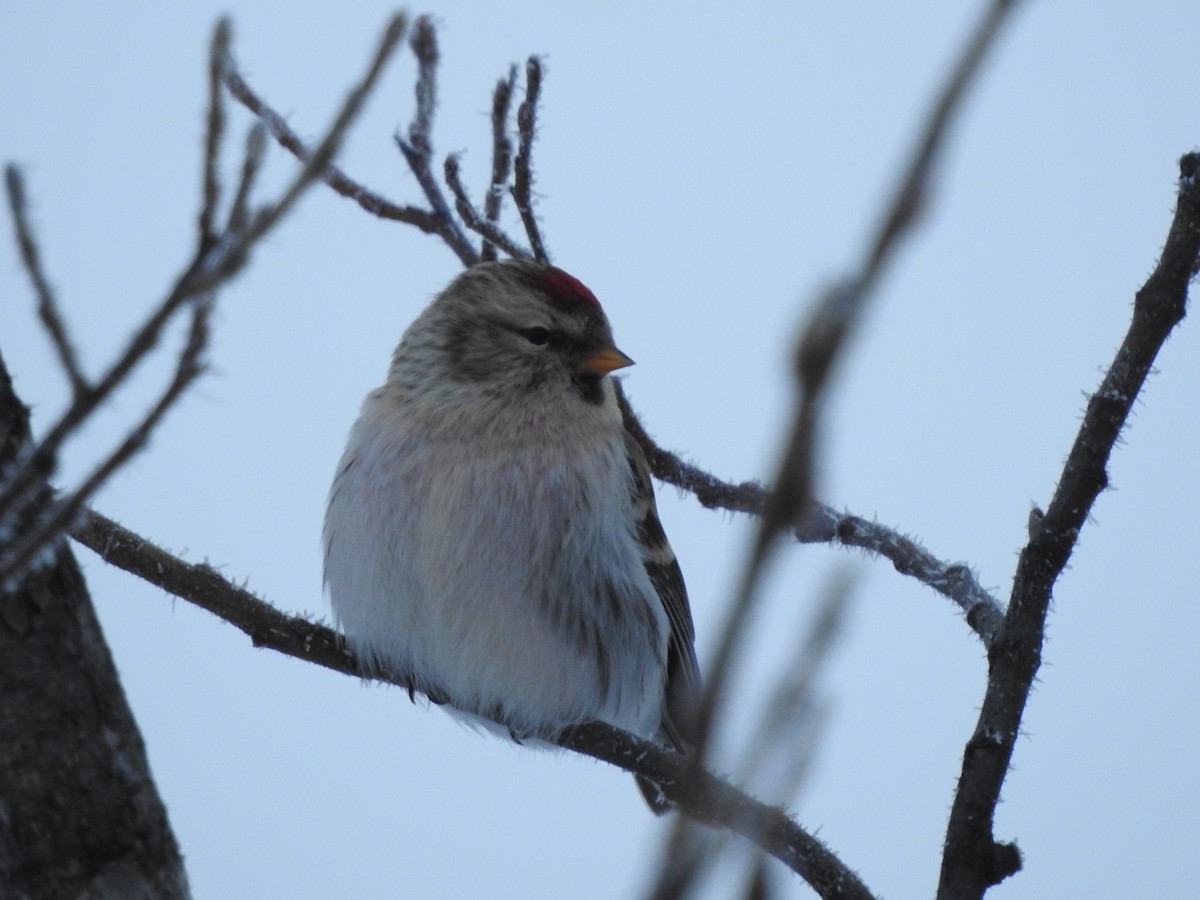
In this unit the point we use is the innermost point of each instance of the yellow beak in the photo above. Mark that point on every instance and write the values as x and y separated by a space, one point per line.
604 361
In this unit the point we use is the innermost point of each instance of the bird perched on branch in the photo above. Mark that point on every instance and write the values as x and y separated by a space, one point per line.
492 539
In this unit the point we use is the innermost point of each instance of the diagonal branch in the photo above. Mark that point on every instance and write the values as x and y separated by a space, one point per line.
372 202
697 793
973 860
825 525
319 159
702 796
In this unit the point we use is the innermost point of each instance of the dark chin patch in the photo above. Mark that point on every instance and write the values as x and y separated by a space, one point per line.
590 388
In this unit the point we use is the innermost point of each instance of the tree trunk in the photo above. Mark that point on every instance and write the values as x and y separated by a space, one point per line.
80 816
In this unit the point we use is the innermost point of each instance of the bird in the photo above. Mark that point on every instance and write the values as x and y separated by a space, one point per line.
492 540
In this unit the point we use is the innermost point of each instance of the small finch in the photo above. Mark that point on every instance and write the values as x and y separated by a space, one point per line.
492 538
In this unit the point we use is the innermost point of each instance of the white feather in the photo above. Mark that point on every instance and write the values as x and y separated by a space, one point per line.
466 561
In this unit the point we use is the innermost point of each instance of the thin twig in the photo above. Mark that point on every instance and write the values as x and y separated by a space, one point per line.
493 236
501 154
913 192
425 48
527 130
955 581
31 259
214 133
418 148
973 860
696 793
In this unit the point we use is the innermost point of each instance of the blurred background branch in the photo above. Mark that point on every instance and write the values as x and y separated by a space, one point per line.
823 339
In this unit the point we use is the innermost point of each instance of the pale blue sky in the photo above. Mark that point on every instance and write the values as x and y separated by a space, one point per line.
704 171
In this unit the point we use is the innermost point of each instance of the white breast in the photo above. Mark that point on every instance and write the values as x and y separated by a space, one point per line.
508 584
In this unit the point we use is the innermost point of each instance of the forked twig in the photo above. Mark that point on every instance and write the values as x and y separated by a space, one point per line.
217 259
372 202
493 235
418 147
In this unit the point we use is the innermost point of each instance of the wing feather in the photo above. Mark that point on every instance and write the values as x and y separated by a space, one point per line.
683 671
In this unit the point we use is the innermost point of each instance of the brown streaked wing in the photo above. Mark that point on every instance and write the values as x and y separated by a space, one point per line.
683 671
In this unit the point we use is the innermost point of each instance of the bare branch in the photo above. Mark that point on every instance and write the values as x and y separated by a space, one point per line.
955 581
527 130
823 524
31 259
417 149
501 153
201 584
493 236
696 793
973 860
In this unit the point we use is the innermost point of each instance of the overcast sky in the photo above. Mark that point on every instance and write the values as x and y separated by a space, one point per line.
705 171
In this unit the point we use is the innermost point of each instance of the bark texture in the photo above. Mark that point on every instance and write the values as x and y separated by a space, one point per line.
79 813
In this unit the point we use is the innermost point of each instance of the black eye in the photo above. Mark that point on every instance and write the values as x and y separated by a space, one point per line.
537 335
